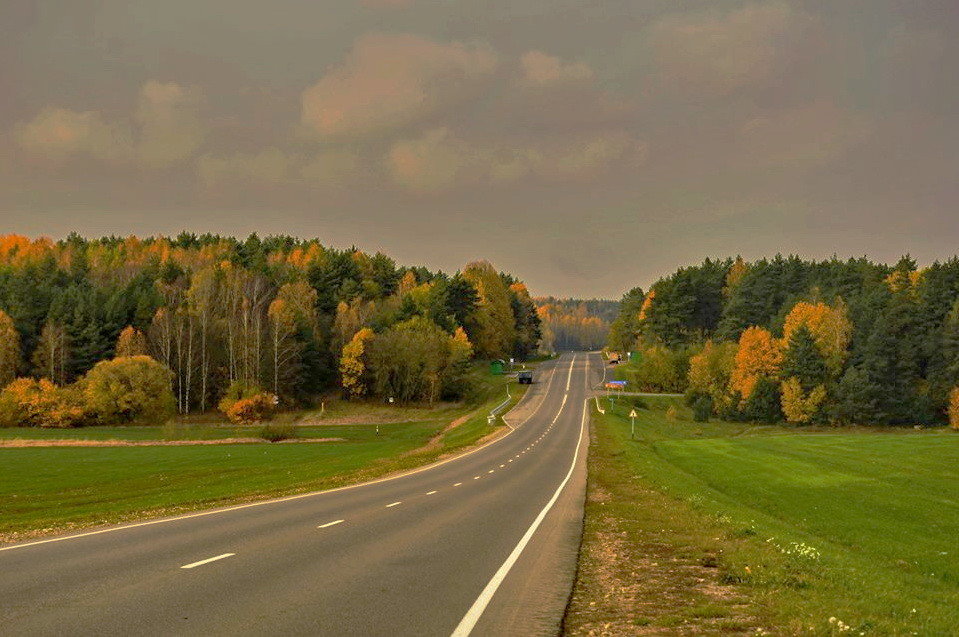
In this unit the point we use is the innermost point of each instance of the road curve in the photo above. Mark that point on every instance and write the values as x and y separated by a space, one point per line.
483 544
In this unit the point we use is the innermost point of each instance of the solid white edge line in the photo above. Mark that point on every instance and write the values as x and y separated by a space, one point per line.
299 496
466 625
208 560
333 523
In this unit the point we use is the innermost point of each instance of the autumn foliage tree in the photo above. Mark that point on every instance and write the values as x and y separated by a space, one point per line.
494 329
354 371
800 405
417 361
759 355
271 312
291 315
9 349
829 326
132 342
129 389
860 342
710 371
953 410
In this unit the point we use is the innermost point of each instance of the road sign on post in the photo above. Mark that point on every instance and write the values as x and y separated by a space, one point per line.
632 424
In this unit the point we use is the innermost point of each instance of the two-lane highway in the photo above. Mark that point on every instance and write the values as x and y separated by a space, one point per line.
484 543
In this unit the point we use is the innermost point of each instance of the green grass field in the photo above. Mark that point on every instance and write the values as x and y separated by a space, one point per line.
859 526
53 489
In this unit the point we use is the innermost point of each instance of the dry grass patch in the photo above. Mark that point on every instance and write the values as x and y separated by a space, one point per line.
648 566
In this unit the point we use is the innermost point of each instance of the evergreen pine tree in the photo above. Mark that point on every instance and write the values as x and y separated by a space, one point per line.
858 399
763 405
803 360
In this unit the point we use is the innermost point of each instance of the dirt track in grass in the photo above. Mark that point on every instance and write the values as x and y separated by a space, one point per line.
20 443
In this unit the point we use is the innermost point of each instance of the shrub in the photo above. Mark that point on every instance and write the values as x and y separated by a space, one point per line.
702 408
253 410
238 390
10 414
276 433
66 408
129 389
27 402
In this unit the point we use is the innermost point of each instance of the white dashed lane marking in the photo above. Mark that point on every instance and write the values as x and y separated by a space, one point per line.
208 560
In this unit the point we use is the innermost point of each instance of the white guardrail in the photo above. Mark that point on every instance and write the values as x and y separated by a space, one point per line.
498 408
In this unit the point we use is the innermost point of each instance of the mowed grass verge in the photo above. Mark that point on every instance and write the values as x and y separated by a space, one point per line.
727 527
54 489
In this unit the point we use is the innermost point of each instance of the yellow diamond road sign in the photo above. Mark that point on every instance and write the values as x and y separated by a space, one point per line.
633 414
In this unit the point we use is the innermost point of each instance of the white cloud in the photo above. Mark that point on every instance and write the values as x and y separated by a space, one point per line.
59 134
169 121
390 81
541 69
165 129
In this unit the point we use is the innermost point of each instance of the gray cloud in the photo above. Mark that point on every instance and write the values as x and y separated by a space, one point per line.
719 52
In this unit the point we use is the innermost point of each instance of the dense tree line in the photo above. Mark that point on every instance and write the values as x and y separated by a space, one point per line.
574 324
267 314
804 341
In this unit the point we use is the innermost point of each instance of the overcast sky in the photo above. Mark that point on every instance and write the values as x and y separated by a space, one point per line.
585 145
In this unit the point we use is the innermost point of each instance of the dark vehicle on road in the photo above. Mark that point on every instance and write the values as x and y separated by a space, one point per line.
525 378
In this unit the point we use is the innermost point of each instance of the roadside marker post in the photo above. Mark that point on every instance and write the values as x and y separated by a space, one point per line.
632 425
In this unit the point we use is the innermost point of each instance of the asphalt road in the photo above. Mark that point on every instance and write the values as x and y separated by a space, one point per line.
483 544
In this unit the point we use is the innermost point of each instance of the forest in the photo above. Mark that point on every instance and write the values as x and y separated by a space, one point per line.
111 330
805 342
574 324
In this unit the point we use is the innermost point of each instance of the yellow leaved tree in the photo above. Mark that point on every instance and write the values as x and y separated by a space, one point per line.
798 406
353 365
710 370
830 327
131 342
129 389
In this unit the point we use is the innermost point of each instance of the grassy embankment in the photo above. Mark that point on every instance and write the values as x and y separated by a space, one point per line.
724 527
49 489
